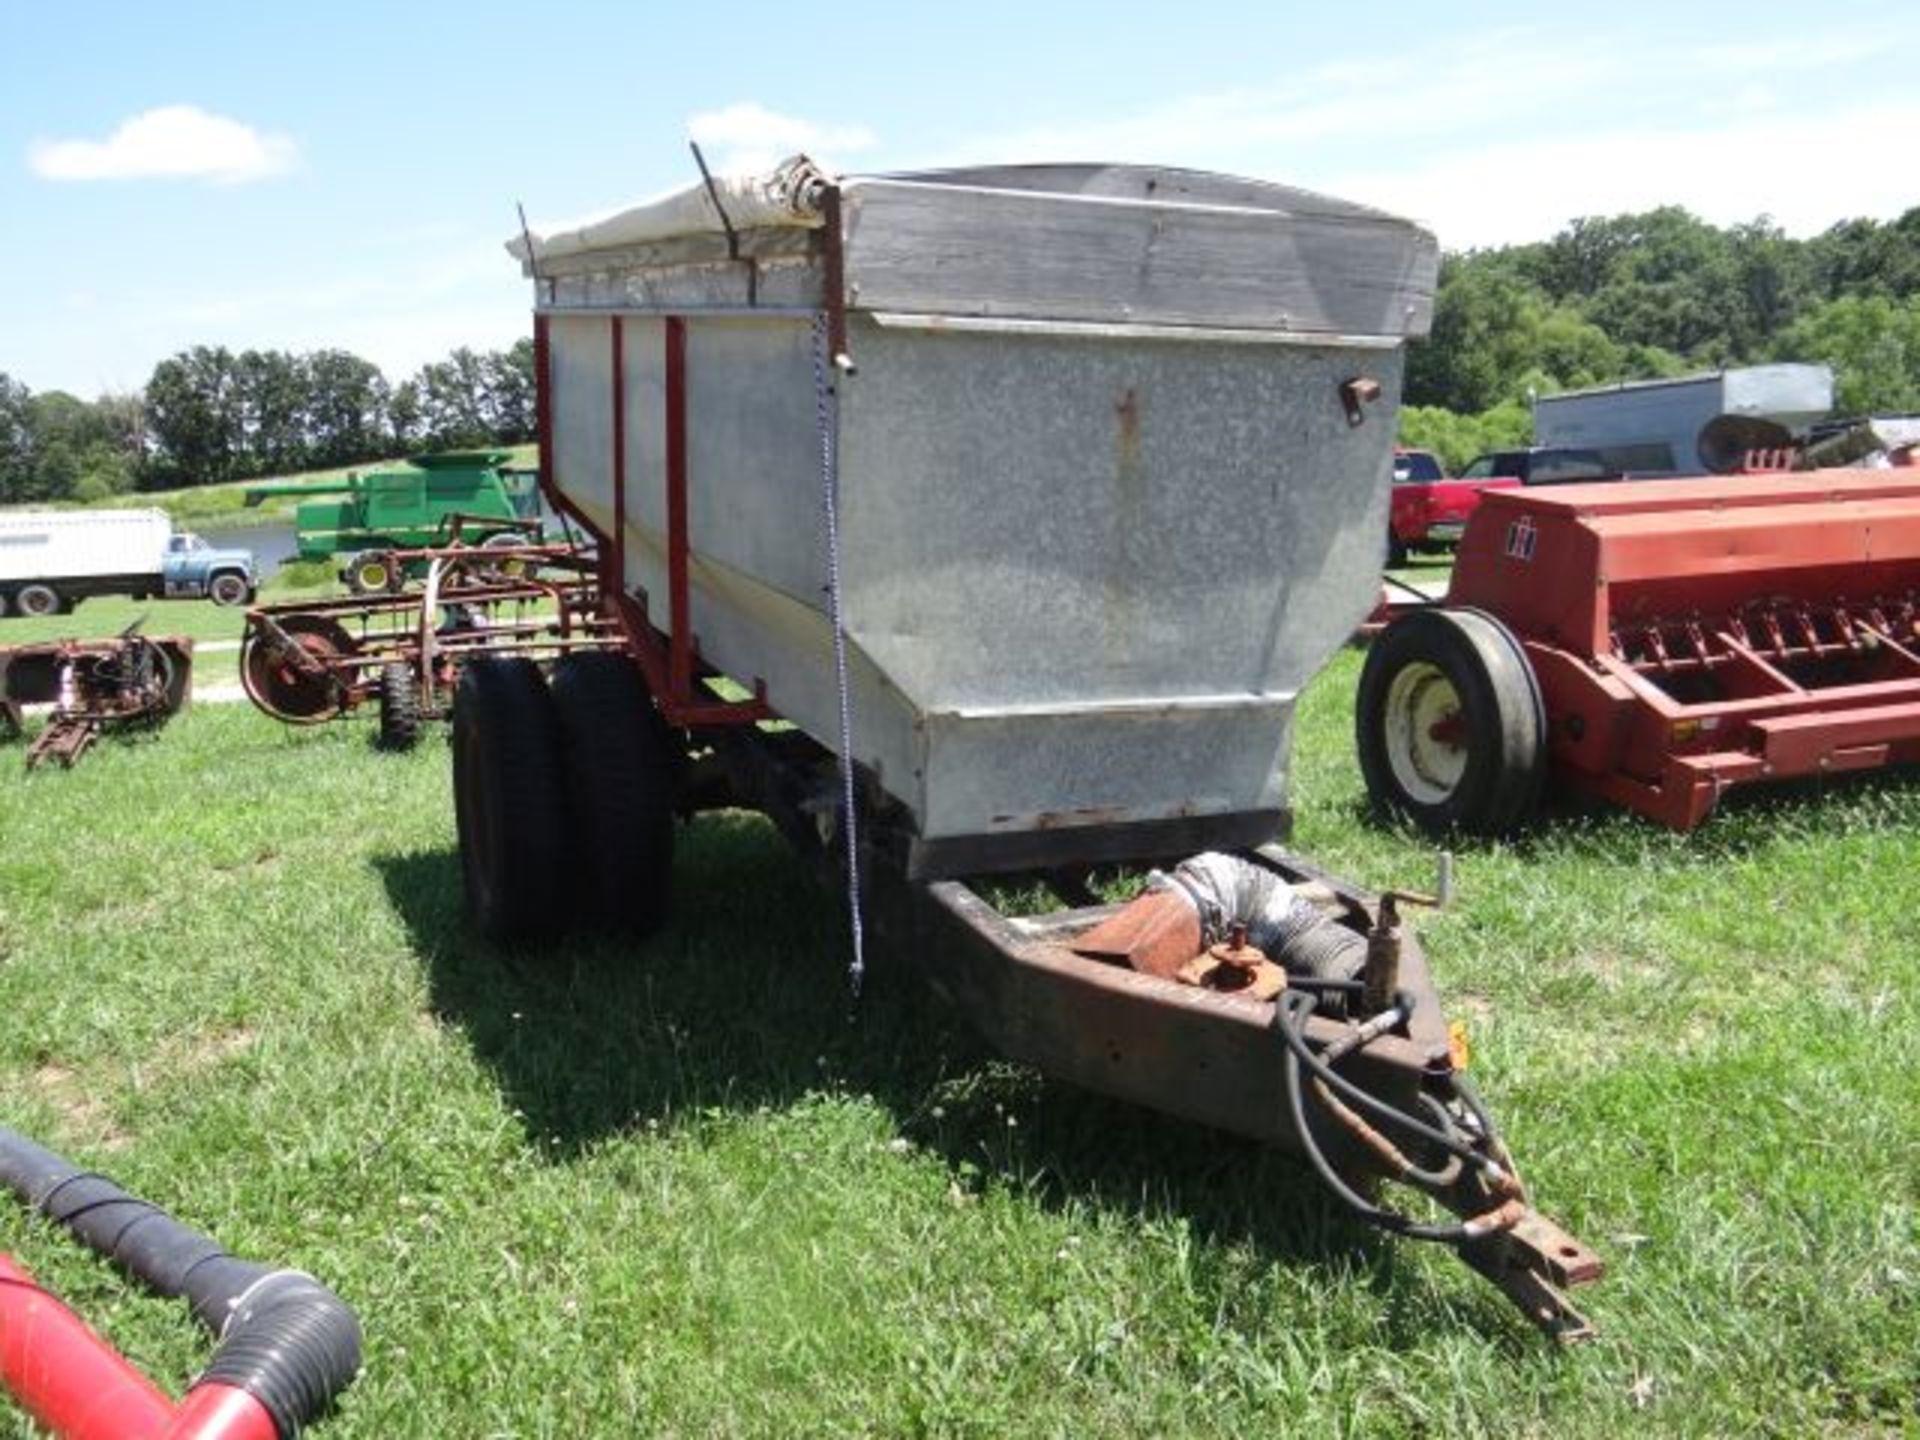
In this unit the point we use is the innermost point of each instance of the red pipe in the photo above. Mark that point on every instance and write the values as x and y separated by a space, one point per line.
66 1376
220 1412
80 1388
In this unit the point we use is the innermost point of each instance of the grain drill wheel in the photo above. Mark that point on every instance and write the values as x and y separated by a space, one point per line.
1450 725
399 707
622 771
300 689
509 800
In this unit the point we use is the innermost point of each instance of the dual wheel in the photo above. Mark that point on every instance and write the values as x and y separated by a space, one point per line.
1450 725
564 796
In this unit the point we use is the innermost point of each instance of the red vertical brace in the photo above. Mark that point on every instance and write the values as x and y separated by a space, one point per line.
543 408
681 635
619 457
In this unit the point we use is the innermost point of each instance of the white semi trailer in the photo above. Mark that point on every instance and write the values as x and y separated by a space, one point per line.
51 560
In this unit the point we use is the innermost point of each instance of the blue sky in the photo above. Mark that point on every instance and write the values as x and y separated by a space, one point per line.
344 173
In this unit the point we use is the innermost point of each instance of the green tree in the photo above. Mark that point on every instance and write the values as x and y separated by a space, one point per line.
1873 344
1457 439
406 416
1866 257
16 441
194 415
453 400
509 380
270 391
1494 335
346 407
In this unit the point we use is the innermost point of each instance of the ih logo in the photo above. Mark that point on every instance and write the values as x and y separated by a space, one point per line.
1521 536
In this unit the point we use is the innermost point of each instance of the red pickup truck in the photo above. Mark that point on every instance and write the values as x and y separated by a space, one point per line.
1429 510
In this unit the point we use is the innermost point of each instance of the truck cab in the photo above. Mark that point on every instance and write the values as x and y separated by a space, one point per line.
190 568
1428 511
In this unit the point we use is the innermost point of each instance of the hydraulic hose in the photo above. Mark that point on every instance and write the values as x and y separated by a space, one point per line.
1293 1032
1290 1018
1452 1234
286 1341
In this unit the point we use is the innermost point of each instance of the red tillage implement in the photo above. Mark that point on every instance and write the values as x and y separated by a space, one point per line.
1654 644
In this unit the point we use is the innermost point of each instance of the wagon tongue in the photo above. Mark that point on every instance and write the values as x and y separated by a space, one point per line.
1374 1090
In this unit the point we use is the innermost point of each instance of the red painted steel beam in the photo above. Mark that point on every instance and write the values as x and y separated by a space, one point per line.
680 632
617 330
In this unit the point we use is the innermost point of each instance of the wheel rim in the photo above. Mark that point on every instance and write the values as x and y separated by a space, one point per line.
37 601
1424 734
228 589
372 575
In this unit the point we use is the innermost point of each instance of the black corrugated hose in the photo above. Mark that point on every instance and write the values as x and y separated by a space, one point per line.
285 1339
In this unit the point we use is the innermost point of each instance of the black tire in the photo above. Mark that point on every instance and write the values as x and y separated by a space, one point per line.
229 587
622 770
1396 551
509 801
399 707
37 600
1464 670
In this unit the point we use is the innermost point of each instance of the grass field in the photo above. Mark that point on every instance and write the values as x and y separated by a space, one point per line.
681 1189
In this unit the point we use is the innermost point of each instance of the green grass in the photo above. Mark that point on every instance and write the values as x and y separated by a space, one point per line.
677 1189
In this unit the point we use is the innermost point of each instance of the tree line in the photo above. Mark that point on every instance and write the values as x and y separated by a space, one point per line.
1641 297
208 415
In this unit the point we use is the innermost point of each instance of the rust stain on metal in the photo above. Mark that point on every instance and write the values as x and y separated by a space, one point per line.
1156 934
95 686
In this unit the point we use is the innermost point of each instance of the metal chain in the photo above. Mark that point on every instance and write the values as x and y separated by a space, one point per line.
827 423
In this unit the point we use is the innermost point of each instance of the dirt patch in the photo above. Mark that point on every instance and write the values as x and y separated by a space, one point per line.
84 1116
183 1056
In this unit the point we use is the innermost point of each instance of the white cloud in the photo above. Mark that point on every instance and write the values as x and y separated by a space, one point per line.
745 138
1806 173
172 142
1507 135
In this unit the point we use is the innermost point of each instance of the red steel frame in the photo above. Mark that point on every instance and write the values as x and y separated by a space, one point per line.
670 661
1622 594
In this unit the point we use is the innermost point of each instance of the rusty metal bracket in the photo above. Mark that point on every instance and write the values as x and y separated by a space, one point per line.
1355 395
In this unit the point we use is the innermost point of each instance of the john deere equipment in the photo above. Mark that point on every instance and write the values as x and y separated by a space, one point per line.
408 507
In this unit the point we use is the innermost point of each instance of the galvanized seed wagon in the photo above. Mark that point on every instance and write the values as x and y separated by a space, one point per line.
1029 498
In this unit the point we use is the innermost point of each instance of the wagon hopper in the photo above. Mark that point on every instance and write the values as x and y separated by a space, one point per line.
990 521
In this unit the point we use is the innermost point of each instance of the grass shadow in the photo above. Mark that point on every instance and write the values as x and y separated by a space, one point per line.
741 1002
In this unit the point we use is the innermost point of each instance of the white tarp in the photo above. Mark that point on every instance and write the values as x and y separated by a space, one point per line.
786 196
